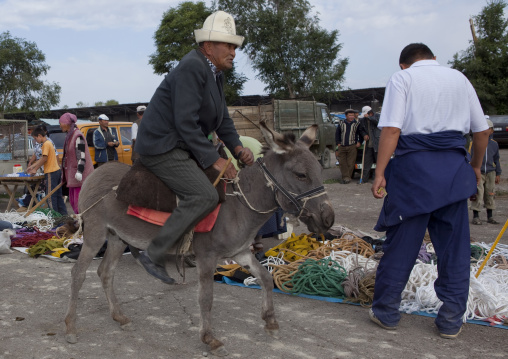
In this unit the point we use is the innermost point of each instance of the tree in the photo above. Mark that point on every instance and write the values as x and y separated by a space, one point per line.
99 103
111 103
22 66
175 37
485 61
292 53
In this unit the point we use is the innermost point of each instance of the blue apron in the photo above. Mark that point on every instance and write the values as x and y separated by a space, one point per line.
428 172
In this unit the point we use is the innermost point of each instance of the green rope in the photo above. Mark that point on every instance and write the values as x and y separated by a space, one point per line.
477 252
322 277
46 211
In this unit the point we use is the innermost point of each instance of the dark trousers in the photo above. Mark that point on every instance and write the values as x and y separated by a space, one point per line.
449 232
347 159
197 197
369 158
57 201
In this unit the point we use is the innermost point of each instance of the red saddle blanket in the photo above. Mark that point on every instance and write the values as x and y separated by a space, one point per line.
159 218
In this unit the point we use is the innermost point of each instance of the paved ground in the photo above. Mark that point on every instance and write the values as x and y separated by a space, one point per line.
34 295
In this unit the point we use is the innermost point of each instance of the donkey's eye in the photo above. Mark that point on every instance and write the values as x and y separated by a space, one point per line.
300 176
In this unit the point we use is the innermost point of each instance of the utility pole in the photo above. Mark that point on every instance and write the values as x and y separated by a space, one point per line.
473 32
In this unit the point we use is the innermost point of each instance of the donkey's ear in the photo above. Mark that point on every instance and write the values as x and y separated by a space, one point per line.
309 135
274 140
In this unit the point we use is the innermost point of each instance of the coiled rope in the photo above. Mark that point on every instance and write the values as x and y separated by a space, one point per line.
322 277
42 221
269 264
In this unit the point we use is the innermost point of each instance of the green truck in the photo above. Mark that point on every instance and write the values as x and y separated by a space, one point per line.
289 115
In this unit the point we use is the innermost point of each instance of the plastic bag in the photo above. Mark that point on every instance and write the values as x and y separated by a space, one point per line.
5 241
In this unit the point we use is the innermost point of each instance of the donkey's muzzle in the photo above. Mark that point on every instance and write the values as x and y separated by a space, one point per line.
322 221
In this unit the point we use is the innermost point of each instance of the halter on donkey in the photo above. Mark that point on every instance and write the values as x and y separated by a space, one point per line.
292 169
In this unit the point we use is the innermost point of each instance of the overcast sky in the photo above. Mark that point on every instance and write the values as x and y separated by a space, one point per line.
98 49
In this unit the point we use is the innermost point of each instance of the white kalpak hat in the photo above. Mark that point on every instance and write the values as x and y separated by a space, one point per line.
219 27
365 110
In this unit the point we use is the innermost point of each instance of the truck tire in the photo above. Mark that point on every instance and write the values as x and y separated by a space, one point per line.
326 158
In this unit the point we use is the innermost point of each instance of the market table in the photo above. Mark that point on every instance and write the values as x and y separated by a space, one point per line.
11 185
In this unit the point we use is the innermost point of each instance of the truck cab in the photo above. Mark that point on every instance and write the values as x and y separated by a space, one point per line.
297 116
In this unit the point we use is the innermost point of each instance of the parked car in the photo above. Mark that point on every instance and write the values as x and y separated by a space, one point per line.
500 128
121 129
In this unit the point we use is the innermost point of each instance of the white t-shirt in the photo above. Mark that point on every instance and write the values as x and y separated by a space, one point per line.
428 98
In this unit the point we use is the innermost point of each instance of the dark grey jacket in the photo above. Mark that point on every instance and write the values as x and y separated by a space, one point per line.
186 107
370 125
491 161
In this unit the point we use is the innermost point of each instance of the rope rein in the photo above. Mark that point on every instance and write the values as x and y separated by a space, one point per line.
276 188
240 193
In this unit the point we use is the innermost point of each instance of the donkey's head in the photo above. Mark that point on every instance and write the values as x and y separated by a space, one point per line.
295 174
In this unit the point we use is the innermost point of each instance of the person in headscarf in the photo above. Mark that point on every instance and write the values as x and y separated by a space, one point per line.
76 161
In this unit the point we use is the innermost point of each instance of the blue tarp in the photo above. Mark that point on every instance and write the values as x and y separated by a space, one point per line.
229 281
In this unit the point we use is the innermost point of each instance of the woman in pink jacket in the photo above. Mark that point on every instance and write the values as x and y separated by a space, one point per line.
76 161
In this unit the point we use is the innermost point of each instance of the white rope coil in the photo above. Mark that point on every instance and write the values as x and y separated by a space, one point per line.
350 260
488 294
43 222
268 264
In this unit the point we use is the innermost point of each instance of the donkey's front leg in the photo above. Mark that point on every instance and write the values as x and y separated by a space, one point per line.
206 267
247 260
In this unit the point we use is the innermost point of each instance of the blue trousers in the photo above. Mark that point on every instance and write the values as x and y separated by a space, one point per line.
57 201
449 232
197 195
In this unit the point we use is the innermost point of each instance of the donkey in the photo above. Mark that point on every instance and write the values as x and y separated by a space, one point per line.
288 176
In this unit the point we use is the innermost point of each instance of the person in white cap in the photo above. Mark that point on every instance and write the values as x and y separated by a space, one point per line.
140 110
172 139
105 142
369 121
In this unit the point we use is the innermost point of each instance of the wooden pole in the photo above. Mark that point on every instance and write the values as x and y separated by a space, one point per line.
473 31
222 173
363 160
41 202
492 249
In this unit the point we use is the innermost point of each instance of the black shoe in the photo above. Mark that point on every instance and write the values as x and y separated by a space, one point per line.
153 269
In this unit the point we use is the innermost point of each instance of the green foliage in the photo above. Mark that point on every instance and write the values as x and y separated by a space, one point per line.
99 103
22 66
485 62
111 103
175 38
285 43
81 104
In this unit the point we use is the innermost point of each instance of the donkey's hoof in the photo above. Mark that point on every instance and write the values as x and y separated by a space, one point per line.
128 327
274 333
71 338
272 328
220 351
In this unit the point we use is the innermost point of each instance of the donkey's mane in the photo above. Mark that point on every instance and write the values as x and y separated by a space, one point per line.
288 138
